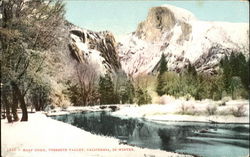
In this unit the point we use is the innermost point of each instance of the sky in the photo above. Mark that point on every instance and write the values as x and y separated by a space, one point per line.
122 16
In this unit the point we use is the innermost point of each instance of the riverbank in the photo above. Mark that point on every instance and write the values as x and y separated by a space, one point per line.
42 136
234 111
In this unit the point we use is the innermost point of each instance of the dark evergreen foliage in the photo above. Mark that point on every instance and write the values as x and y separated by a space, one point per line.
191 70
232 80
163 68
74 94
235 72
163 65
142 97
126 94
106 90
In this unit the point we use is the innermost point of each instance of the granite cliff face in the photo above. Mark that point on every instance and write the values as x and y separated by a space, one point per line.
96 48
183 39
164 19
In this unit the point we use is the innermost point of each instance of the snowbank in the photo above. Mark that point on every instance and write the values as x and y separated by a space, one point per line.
195 111
45 137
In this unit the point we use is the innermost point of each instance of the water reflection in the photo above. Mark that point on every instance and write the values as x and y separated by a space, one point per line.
203 139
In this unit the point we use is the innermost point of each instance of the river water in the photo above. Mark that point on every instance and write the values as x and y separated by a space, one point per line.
199 139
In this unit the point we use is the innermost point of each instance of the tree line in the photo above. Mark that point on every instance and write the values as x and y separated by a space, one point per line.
232 80
109 88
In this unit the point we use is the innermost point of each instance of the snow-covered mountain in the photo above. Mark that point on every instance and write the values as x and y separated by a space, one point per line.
183 39
95 48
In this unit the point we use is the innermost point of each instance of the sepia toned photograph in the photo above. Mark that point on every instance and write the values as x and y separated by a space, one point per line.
124 78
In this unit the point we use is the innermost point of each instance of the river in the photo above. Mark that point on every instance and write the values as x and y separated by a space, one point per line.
196 138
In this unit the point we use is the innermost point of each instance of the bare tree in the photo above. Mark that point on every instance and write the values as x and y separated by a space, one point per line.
87 77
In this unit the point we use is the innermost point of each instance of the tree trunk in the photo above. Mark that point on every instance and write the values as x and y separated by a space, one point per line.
7 105
22 101
14 107
232 94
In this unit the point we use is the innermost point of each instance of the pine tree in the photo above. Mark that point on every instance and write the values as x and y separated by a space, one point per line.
191 70
142 97
131 92
244 70
227 72
235 66
127 92
234 85
106 90
74 93
124 88
163 65
163 68
160 85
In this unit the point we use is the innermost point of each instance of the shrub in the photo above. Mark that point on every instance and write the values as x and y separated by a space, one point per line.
187 110
211 110
239 111
223 103
142 97
156 99
187 97
52 107
184 109
65 105
165 99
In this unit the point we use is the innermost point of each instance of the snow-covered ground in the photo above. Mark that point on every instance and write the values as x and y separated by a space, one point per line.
174 110
44 137
193 111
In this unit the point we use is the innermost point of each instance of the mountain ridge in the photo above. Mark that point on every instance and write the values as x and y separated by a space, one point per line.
183 39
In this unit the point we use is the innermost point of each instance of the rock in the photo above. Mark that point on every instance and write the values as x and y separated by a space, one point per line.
203 131
96 48
103 107
114 108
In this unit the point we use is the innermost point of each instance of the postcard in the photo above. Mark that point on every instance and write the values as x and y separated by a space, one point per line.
124 78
